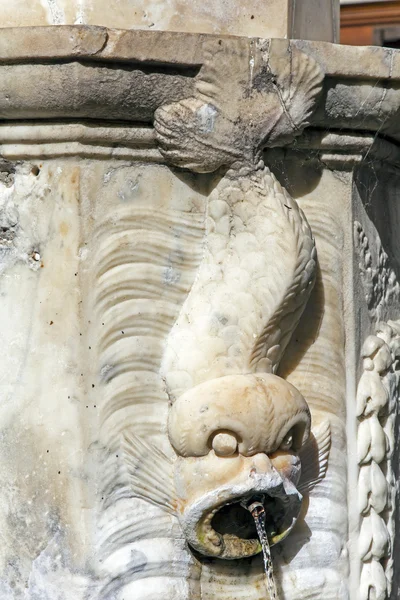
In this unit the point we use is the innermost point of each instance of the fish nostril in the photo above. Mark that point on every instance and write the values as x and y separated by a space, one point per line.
224 444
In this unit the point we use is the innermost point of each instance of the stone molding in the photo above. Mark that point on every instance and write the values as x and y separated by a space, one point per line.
103 139
133 72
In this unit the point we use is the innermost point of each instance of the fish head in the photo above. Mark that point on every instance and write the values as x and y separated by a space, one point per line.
237 440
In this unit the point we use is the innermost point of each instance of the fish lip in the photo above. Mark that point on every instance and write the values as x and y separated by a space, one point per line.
197 518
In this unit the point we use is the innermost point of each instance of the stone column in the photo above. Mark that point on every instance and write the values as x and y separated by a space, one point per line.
200 304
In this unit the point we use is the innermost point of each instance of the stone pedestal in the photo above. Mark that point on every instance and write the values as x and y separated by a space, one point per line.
199 292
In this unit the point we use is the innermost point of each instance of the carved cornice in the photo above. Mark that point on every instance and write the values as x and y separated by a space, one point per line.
127 75
342 151
106 140
184 50
41 140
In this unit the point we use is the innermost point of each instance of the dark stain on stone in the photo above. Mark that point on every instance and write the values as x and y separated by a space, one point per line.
7 172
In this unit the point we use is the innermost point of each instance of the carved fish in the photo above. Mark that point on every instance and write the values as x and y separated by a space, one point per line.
238 430
251 288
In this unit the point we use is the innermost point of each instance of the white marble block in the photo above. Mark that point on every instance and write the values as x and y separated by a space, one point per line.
199 287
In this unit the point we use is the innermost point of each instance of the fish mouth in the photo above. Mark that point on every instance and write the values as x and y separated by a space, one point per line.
220 523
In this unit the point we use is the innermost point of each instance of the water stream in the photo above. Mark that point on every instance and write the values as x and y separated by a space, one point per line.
258 513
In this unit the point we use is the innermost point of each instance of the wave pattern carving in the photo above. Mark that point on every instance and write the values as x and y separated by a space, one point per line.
145 265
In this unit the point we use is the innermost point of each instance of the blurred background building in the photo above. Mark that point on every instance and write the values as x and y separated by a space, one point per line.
368 23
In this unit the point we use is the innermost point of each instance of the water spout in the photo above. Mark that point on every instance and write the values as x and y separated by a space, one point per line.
257 510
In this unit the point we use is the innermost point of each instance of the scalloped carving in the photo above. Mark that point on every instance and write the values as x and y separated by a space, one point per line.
249 95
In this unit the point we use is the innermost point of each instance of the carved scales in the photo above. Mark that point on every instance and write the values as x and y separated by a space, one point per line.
259 99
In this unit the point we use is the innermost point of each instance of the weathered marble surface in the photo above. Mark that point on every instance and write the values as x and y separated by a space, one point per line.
125 288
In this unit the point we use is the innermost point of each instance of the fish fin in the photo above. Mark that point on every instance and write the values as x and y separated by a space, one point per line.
298 77
150 472
314 457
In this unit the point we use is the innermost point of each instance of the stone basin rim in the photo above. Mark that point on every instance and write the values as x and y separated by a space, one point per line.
99 43
125 75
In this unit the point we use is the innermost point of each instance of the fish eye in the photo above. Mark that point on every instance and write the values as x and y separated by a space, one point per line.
224 443
287 441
